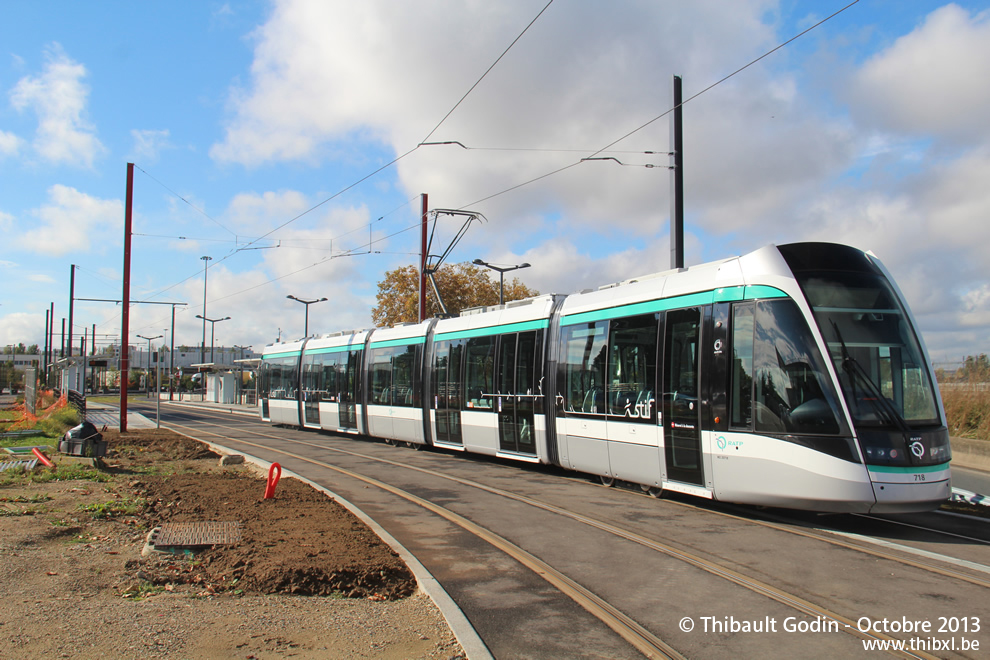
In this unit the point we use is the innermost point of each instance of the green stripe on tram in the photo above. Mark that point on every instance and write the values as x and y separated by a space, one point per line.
728 294
275 356
408 341
358 346
907 470
522 326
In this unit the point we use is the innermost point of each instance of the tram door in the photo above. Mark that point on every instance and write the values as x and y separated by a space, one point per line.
347 374
516 386
447 391
681 403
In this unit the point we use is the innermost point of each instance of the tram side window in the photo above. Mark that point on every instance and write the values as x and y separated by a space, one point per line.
454 383
282 378
530 344
328 375
349 374
405 386
583 358
381 376
447 374
480 364
312 381
741 403
792 390
632 367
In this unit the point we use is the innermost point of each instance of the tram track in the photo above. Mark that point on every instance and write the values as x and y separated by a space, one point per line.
826 535
639 637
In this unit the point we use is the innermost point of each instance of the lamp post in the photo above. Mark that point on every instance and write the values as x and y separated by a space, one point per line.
148 388
307 303
502 270
213 325
202 346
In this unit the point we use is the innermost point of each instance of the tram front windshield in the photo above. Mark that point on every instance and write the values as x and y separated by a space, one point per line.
881 367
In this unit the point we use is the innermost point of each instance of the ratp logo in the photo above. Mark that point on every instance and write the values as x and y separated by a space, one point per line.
918 449
720 441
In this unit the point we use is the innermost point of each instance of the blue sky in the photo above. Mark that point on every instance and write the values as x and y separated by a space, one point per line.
253 125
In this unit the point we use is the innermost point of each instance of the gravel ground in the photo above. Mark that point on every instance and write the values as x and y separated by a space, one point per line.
74 583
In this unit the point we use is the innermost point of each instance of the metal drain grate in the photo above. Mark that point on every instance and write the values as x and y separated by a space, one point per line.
196 534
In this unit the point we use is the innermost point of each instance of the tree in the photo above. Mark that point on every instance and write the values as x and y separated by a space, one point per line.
462 286
976 368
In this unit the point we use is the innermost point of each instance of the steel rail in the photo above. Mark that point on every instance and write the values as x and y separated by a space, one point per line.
639 637
795 602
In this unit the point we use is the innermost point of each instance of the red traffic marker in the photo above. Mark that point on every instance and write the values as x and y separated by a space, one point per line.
43 458
275 469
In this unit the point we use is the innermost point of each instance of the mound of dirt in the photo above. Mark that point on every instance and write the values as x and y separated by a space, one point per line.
298 542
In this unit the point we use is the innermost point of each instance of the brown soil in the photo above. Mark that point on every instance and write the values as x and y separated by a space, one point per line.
307 578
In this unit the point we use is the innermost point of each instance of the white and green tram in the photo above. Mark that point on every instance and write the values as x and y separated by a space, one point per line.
793 376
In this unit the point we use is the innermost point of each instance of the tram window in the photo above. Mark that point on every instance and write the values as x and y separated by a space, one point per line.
583 356
405 388
632 367
328 375
480 358
441 358
282 378
447 374
381 376
454 385
792 390
349 376
526 361
741 403
312 368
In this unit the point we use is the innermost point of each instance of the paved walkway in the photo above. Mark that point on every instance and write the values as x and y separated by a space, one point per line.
102 414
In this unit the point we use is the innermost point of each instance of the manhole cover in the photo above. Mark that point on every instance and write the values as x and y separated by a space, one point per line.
194 534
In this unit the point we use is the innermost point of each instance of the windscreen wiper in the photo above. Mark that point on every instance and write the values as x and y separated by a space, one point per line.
881 404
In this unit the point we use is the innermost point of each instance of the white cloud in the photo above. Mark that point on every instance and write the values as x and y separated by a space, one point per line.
931 81
10 144
252 212
71 221
148 144
58 97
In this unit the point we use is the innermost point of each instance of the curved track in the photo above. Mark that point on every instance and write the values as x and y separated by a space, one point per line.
329 452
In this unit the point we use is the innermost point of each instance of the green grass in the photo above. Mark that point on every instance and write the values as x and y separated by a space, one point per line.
66 472
113 508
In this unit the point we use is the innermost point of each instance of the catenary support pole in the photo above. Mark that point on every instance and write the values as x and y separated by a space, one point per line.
72 299
125 362
677 182
422 261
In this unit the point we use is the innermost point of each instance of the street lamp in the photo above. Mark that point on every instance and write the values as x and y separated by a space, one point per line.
213 325
307 303
202 346
502 270
148 389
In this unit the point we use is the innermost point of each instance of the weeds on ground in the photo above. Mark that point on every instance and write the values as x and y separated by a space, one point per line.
968 411
122 507
64 472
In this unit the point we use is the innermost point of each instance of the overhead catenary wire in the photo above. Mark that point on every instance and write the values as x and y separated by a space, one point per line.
667 112
369 175
424 142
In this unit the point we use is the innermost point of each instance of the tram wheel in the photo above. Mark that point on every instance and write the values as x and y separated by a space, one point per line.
388 441
652 491
607 481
